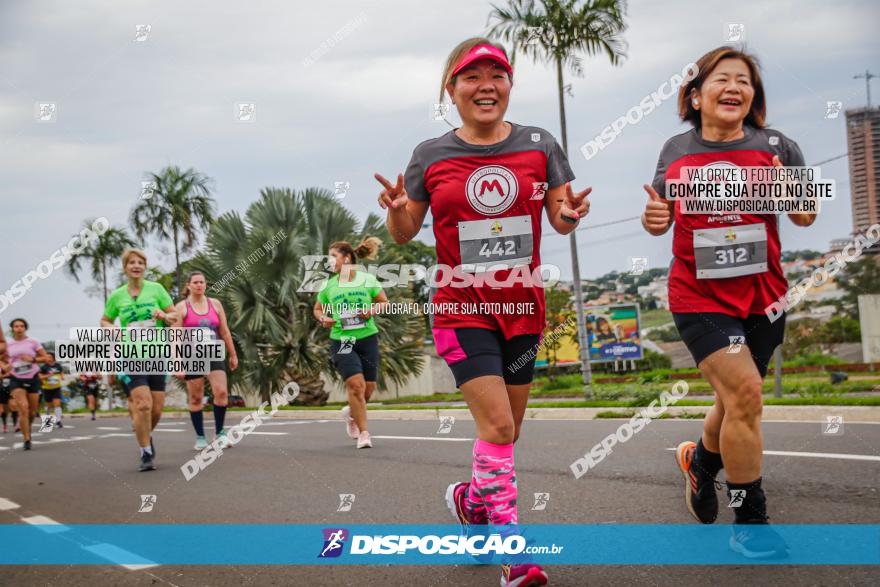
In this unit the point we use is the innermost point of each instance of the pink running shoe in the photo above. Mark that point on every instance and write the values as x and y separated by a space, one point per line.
522 576
350 427
456 494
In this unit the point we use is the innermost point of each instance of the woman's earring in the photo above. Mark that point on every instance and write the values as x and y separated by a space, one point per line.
695 102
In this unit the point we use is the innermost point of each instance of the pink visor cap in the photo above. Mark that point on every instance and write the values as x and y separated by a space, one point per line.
484 52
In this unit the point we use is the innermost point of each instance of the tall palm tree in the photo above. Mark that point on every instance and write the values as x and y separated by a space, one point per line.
180 206
277 337
100 254
556 32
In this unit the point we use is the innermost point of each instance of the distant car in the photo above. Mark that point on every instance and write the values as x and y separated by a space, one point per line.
235 401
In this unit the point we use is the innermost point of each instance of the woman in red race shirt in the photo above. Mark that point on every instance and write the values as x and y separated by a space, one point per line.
726 271
487 184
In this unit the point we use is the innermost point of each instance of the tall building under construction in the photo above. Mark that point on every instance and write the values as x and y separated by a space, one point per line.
863 142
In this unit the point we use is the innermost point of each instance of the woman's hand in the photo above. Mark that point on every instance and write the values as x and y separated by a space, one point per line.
233 362
799 218
575 206
657 217
327 322
393 196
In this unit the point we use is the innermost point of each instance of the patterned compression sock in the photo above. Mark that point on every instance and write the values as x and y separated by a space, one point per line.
494 481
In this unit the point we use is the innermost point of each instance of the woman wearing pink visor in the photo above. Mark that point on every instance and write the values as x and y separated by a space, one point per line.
487 184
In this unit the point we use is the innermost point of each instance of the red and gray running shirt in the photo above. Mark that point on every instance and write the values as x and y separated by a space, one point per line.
726 263
487 202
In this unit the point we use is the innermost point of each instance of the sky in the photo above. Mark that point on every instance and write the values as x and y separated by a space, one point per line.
125 107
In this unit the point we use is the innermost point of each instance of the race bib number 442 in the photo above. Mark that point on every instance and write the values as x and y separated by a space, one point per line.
496 243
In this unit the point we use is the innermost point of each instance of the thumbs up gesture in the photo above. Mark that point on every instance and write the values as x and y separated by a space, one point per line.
657 217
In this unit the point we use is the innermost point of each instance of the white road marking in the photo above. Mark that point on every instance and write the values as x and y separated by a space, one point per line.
819 455
169 430
104 550
108 428
6 504
46 524
268 433
115 554
423 438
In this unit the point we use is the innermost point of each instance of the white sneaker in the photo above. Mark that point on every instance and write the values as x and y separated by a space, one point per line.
364 440
223 440
350 427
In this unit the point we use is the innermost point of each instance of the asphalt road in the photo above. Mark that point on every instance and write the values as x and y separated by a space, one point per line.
293 472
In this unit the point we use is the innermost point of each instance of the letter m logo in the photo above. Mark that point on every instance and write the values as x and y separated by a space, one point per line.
493 185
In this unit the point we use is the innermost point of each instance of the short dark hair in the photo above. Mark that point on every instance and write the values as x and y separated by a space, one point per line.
22 320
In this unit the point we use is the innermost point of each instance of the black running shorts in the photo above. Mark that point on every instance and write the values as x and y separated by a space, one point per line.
707 332
362 357
476 352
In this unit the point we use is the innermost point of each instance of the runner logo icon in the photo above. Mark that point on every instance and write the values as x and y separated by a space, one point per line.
737 496
334 541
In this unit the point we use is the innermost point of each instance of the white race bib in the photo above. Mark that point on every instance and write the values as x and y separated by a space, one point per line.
21 368
730 252
351 321
496 243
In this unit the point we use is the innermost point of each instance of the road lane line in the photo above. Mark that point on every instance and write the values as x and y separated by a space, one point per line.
6 504
422 438
819 455
47 525
114 554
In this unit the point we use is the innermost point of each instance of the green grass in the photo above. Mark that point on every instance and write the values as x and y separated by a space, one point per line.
664 416
651 318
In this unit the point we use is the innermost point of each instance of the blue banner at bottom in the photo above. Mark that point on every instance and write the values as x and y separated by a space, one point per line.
368 544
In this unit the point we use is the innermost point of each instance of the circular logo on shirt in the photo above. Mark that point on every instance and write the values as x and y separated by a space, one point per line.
723 173
491 189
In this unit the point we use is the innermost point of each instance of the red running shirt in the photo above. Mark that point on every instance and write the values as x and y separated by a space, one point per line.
740 295
487 203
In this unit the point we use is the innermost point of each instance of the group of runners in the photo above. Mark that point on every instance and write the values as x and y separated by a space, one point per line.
39 379
487 185
475 180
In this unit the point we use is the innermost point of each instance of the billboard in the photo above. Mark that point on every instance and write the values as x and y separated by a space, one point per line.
613 333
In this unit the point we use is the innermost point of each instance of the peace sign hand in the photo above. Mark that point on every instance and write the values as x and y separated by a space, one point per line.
576 205
393 195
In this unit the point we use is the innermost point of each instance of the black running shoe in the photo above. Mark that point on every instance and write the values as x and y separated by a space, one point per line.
146 462
27 444
699 486
152 448
59 425
757 539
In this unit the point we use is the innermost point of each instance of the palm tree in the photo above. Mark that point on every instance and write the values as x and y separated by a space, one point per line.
101 254
556 31
277 337
180 204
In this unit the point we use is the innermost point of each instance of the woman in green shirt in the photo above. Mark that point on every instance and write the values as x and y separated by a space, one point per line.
346 305
141 304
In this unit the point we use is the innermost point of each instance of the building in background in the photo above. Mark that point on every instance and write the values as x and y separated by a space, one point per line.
863 143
